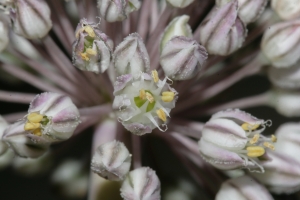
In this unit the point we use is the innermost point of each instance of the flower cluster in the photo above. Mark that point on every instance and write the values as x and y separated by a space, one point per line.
150 82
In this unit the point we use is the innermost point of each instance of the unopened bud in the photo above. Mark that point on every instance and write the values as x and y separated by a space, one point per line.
31 18
131 56
177 27
286 102
249 11
281 43
92 49
223 32
180 3
117 10
111 161
4 39
243 187
141 184
287 9
287 78
182 58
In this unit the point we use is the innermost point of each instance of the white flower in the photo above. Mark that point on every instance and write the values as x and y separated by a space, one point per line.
144 104
232 139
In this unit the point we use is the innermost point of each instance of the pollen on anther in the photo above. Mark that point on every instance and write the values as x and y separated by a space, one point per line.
249 127
274 138
168 96
142 94
149 97
255 151
269 145
155 76
91 51
161 114
90 31
254 139
84 56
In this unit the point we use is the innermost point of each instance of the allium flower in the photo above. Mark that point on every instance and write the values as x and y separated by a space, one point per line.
145 104
232 139
287 9
134 83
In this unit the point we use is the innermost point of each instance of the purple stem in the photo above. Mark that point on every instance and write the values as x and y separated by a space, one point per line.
136 151
16 97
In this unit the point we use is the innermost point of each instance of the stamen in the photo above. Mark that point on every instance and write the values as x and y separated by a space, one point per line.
31 126
155 76
149 97
142 94
90 31
254 139
84 56
255 151
37 132
161 114
35 117
168 96
269 145
91 51
249 127
274 138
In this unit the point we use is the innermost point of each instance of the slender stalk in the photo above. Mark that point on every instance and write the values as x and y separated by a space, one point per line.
143 26
12 117
252 68
136 151
96 110
248 102
16 97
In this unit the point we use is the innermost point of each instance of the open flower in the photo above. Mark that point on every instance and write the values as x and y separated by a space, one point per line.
51 117
232 139
142 105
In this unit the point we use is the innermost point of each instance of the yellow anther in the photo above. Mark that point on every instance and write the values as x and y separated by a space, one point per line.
168 96
254 139
37 132
274 138
149 97
142 94
269 145
84 56
161 114
90 31
255 151
31 126
155 76
35 117
90 51
249 127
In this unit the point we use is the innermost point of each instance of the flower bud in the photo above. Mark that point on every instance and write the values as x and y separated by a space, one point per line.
287 78
117 10
4 39
111 161
31 18
249 10
281 43
223 32
70 179
3 126
286 9
144 104
243 187
141 184
180 3
182 58
286 102
92 49
131 57
232 139
177 27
